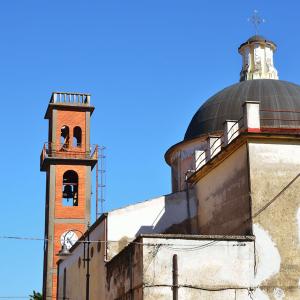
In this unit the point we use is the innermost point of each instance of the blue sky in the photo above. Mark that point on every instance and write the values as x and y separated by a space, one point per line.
149 65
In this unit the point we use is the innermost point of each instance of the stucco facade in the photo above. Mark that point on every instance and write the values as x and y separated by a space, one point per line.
209 267
275 190
223 195
258 192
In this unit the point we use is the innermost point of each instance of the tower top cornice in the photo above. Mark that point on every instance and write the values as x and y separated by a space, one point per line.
69 101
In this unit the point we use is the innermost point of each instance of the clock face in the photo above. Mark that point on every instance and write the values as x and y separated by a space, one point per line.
68 238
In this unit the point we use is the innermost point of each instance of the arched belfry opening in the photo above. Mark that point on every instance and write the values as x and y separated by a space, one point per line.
64 137
70 188
77 136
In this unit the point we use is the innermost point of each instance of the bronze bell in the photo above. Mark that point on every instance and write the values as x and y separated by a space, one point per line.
67 192
75 199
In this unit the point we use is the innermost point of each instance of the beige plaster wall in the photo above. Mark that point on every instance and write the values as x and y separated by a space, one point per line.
223 197
183 159
124 274
275 193
167 213
207 269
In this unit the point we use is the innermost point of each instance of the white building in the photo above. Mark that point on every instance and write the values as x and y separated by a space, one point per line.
230 228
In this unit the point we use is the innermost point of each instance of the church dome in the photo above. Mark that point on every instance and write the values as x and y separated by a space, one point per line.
227 104
256 38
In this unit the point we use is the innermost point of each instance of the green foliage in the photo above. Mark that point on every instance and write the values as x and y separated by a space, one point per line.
36 296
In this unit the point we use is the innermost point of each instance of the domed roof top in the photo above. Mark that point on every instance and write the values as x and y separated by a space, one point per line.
227 104
256 38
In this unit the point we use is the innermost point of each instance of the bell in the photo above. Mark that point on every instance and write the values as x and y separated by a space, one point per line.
75 199
67 192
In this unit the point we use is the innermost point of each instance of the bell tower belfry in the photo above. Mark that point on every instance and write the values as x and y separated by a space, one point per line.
68 159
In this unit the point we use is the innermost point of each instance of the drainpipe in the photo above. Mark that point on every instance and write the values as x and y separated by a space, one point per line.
187 191
175 277
105 239
87 288
131 275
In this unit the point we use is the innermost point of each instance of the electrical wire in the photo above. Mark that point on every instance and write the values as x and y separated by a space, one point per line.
181 246
27 297
177 246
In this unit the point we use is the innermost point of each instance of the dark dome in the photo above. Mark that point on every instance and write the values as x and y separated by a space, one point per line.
256 38
227 104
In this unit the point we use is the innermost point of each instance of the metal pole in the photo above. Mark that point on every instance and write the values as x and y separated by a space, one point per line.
97 184
65 284
88 268
188 206
102 171
100 184
175 277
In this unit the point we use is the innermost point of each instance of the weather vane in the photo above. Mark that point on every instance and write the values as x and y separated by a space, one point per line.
256 20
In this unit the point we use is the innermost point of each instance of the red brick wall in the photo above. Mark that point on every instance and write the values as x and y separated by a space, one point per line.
54 286
71 119
59 229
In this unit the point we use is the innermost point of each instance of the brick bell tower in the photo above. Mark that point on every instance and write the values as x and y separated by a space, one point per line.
68 159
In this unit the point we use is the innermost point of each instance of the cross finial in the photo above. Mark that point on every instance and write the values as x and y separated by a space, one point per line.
256 20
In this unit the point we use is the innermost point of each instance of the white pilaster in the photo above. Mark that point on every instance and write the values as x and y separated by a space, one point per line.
231 131
213 146
200 159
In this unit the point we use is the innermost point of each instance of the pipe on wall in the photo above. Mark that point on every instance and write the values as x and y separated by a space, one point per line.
175 277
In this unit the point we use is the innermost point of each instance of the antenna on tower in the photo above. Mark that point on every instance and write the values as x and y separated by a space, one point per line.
256 20
100 182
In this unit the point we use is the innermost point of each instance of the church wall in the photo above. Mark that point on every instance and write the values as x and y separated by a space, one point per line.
188 293
76 271
223 197
275 190
124 274
208 267
183 159
163 214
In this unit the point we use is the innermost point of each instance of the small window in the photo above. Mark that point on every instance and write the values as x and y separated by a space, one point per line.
70 189
92 252
77 136
99 246
64 137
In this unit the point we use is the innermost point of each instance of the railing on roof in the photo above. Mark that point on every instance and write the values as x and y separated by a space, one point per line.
56 150
281 120
215 144
70 98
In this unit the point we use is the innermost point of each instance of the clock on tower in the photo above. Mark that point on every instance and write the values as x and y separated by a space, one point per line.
68 159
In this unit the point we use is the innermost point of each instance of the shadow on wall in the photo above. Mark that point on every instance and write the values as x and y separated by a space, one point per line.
177 216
